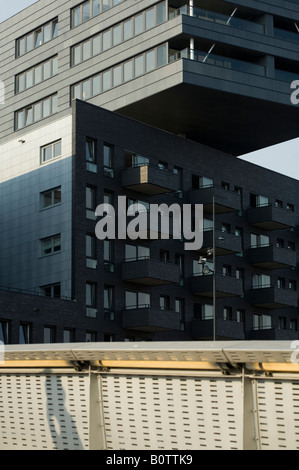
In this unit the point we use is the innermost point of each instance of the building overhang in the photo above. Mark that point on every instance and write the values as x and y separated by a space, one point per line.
231 111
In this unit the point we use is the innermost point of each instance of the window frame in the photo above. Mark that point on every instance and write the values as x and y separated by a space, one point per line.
53 24
54 249
51 146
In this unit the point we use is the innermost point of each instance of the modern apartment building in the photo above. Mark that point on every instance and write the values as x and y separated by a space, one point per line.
174 94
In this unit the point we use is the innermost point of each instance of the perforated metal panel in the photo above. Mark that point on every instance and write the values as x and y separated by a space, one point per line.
155 412
278 413
44 411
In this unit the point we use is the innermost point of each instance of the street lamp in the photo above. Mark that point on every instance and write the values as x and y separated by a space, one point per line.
208 270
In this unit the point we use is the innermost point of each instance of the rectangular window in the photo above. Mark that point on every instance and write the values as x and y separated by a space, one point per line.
36 112
293 324
109 302
164 302
261 281
4 332
258 241
49 334
128 29
96 7
128 71
137 300
91 294
53 290
86 50
134 253
91 246
240 315
90 150
37 38
51 198
68 335
25 333
262 322
91 198
117 34
50 245
51 151
139 66
290 207
180 308
227 314
107 42
117 75
257 200
150 18
207 312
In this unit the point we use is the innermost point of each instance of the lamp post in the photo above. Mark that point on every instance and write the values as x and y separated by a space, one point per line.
208 270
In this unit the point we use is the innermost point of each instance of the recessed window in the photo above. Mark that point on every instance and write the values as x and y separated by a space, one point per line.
51 198
262 322
91 198
261 281
91 294
290 207
135 253
90 150
68 335
4 332
135 300
50 151
50 245
37 74
49 334
90 9
108 153
257 200
37 38
25 331
164 302
258 241
227 314
115 76
36 112
240 315
52 290
109 303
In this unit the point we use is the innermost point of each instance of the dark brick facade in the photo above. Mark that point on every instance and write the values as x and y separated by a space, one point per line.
236 184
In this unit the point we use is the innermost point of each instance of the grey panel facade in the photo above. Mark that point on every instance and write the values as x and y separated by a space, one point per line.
246 62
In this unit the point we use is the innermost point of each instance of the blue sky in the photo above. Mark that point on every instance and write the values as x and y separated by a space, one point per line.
283 158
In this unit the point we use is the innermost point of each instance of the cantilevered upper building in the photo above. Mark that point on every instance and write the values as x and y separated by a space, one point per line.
215 71
151 100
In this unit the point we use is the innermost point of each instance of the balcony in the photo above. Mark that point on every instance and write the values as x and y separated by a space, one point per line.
272 257
149 180
150 272
226 286
151 319
225 243
270 217
218 18
225 201
273 298
203 330
266 334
